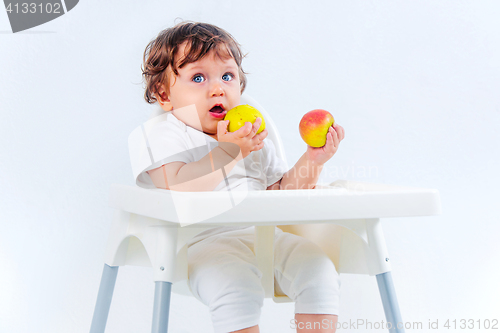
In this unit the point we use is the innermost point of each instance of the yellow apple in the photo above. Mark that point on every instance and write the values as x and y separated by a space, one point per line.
241 114
314 127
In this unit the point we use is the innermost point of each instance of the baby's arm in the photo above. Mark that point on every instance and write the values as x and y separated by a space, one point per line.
305 173
204 175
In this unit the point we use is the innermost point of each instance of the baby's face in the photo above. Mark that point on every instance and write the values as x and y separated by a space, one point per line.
211 84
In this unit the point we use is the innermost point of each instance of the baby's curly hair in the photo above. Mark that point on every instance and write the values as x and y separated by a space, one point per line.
201 39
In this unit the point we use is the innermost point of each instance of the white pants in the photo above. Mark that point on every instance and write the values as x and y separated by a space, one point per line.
223 275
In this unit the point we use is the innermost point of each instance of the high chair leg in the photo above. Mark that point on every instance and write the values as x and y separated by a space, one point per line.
390 302
161 307
104 297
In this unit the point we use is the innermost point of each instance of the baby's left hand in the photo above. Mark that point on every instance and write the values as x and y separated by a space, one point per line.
321 155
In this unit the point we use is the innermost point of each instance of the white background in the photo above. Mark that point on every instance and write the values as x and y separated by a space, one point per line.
414 83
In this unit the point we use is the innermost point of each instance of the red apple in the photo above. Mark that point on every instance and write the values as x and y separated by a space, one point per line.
314 126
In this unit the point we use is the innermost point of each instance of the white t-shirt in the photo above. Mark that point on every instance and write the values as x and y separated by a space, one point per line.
170 140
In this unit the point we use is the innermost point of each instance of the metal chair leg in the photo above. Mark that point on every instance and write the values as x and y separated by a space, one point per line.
161 307
390 302
104 297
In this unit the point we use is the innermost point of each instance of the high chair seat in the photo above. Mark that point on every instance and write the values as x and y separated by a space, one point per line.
152 227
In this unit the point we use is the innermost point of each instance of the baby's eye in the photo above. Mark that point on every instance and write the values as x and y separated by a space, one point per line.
227 77
198 78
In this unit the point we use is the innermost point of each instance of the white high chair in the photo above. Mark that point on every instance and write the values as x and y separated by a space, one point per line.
151 227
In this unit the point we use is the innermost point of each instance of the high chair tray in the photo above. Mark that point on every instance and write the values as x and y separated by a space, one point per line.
338 200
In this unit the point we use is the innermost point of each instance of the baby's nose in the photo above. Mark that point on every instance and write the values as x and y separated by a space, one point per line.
217 90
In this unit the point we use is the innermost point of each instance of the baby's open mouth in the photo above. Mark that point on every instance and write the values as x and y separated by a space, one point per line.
217 109
218 112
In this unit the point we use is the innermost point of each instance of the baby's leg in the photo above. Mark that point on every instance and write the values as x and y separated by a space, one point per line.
305 274
326 323
223 275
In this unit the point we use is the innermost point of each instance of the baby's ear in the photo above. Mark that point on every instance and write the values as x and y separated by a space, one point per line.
163 100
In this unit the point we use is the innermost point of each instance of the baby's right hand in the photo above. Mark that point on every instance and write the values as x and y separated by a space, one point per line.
245 139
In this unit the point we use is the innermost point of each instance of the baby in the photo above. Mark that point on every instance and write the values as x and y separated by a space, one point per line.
195 71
